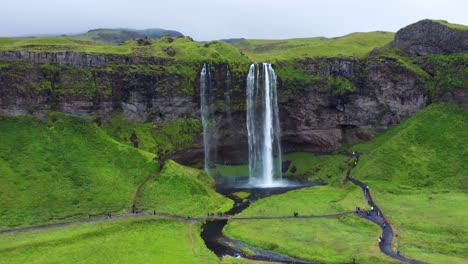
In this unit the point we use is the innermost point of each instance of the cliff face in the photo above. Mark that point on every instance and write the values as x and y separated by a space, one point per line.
311 120
431 37
343 100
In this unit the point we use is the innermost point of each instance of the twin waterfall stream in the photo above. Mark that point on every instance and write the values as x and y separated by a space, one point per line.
262 123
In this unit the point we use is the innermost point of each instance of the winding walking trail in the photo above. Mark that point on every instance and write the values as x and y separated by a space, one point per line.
387 231
163 215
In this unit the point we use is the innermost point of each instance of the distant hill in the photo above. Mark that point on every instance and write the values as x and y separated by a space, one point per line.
116 36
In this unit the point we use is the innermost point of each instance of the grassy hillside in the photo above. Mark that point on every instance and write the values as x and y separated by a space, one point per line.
183 191
452 25
185 49
427 151
130 240
177 48
161 140
116 36
62 168
355 44
56 44
417 173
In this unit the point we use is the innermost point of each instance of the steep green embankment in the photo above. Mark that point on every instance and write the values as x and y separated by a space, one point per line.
62 168
182 190
66 167
417 173
161 140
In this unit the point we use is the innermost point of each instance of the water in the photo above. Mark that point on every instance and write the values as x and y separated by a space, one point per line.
227 98
207 117
263 127
212 231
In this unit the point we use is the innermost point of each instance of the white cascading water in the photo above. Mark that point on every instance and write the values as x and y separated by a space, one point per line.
263 126
227 98
205 114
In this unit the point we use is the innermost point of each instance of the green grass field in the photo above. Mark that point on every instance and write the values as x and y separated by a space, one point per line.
417 173
185 49
64 168
182 191
334 240
354 44
129 240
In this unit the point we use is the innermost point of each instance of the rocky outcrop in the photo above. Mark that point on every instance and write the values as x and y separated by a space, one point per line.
78 59
386 94
431 37
345 100
312 119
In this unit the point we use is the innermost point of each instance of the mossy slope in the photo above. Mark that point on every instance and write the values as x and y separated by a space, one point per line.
183 191
64 168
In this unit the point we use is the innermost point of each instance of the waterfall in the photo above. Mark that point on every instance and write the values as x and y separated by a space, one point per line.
263 126
207 116
227 98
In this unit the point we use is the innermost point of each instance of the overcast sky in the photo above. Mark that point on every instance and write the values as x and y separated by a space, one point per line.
217 19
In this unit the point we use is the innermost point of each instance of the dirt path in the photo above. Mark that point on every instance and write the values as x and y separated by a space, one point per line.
377 218
387 232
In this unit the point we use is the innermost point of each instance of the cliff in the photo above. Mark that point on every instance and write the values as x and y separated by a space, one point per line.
432 37
323 102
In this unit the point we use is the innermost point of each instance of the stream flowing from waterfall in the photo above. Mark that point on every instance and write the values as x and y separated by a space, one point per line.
263 127
212 230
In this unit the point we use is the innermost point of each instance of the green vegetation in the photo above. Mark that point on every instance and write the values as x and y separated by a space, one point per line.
402 59
427 151
241 195
56 44
355 44
231 170
117 36
162 140
451 25
449 72
182 190
331 240
316 200
416 172
324 168
129 240
182 49
84 171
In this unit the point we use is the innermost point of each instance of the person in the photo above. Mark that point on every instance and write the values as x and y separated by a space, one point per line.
398 252
380 240
154 212
372 208
384 225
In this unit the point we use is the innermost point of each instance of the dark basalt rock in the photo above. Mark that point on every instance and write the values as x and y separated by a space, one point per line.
431 37
312 117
